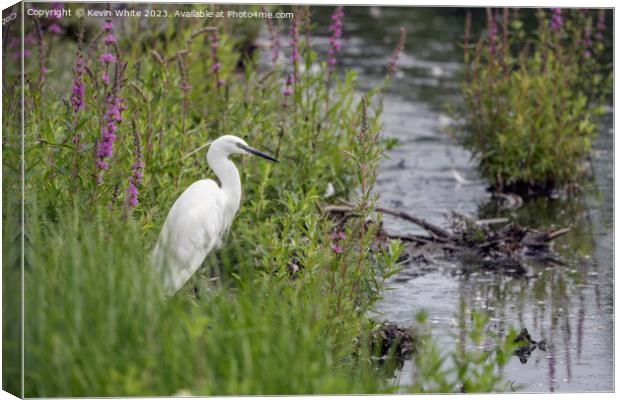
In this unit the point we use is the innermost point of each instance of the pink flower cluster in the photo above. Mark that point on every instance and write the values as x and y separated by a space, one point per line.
288 86
337 237
336 29
556 19
54 28
107 58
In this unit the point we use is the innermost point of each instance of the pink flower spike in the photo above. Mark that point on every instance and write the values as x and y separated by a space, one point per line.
336 30
107 25
105 78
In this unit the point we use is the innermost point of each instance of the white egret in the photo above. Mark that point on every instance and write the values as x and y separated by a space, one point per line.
201 216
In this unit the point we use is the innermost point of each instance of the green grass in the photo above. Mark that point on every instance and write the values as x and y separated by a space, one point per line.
97 325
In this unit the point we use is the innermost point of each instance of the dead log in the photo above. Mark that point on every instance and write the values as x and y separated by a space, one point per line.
506 246
433 229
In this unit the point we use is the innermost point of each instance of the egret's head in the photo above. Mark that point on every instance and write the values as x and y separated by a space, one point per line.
229 144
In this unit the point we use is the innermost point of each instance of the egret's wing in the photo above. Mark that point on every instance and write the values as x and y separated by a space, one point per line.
193 226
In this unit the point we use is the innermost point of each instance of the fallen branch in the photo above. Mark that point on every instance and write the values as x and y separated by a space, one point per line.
554 235
433 229
505 246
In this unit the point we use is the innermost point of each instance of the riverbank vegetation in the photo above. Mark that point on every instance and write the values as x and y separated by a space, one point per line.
532 95
117 113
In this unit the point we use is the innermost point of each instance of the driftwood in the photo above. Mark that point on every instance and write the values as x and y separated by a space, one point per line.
469 238
434 230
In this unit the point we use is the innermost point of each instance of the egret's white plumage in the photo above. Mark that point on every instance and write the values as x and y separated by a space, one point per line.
201 216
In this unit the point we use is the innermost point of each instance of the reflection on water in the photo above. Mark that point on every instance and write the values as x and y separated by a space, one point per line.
569 306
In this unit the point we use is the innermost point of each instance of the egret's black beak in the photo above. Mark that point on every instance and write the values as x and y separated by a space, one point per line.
252 150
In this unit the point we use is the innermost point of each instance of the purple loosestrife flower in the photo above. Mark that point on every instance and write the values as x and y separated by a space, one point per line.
337 249
492 35
216 66
336 29
288 89
600 26
399 49
132 195
78 91
29 39
114 106
274 38
587 42
110 39
185 86
556 19
54 28
135 180
57 7
337 237
294 42
107 58
108 132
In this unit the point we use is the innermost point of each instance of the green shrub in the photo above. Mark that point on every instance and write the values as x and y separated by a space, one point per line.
531 100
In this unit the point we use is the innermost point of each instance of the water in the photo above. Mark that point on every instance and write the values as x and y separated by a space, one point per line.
571 306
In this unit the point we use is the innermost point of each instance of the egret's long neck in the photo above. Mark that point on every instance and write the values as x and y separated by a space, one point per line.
228 175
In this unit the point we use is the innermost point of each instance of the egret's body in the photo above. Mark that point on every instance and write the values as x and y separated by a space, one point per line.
201 216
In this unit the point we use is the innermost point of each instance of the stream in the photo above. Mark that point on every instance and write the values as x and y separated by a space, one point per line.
569 306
